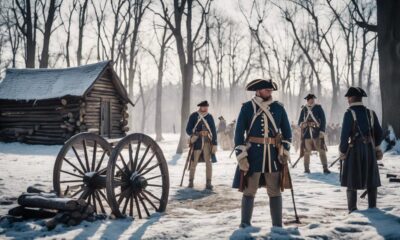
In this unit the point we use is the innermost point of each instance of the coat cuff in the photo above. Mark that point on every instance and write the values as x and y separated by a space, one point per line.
286 144
241 152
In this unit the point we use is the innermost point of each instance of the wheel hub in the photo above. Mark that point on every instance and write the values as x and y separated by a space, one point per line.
94 180
137 182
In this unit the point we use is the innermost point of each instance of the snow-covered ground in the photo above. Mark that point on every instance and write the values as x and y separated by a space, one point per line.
199 214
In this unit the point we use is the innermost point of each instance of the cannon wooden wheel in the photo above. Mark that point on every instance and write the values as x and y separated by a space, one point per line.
80 170
137 177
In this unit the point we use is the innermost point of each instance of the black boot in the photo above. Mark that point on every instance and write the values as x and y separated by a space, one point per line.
351 200
209 186
372 195
326 170
275 207
247 211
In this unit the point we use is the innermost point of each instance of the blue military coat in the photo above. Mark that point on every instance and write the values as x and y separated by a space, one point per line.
192 128
319 116
360 168
262 158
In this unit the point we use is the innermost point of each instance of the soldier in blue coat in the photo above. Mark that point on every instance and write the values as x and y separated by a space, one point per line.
359 149
261 127
312 123
203 140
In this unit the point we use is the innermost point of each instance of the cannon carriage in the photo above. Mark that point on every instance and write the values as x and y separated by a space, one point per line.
128 177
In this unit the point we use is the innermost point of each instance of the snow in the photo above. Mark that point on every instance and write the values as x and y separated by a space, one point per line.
36 84
200 214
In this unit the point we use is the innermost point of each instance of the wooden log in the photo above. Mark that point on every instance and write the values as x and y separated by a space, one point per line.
66 204
64 102
29 213
32 189
45 138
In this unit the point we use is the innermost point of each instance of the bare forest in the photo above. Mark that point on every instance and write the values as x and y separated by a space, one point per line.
172 54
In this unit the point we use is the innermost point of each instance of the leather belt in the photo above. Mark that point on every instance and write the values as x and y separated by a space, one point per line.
203 133
310 124
262 140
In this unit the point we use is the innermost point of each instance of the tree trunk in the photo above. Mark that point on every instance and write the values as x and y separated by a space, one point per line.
185 110
389 60
44 60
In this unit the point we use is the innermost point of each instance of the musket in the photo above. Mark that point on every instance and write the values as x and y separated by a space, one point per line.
301 148
297 219
186 163
295 163
334 162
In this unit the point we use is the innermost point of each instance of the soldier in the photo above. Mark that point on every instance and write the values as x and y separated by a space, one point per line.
222 136
312 123
266 125
359 149
203 139
230 132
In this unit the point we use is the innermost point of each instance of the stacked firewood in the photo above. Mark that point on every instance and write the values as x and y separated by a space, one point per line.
38 204
124 118
42 122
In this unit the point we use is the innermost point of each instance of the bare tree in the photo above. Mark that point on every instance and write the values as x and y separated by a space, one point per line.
26 18
14 36
83 9
48 29
160 62
388 41
139 8
185 53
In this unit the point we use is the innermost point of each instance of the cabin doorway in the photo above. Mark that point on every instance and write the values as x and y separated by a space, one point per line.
105 119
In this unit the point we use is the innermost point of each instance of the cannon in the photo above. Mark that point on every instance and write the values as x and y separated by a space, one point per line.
128 177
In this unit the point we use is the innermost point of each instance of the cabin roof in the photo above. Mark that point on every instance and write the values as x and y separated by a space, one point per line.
40 84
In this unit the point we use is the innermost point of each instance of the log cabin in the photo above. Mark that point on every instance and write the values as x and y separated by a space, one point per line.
48 106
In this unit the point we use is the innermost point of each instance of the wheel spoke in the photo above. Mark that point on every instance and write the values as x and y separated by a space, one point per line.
150 178
136 155
144 205
121 170
86 154
152 195
77 192
72 174
149 201
85 194
123 162
125 205
138 207
70 181
131 207
75 167
150 168
102 195
99 200
94 155
79 159
144 156
155 185
101 160
123 194
147 163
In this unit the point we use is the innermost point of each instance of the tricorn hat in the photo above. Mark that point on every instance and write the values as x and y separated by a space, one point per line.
355 92
220 117
258 84
310 96
203 104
